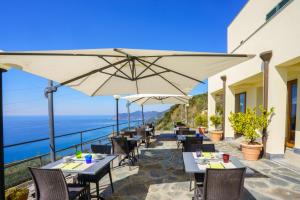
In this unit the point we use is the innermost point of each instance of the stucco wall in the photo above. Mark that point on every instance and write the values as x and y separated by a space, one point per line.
250 18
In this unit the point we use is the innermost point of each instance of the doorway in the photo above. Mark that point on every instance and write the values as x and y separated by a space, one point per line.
292 110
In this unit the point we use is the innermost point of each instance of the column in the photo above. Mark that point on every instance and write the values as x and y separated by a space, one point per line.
229 107
277 98
297 132
211 109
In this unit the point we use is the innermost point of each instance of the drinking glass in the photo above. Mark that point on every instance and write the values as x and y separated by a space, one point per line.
78 154
226 158
88 159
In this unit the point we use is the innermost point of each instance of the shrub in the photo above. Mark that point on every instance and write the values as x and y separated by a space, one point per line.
200 120
16 194
250 123
216 120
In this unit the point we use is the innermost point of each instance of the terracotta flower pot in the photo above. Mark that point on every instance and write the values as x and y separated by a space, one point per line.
202 130
216 135
251 151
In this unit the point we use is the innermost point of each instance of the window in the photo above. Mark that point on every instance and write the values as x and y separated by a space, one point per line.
240 102
276 9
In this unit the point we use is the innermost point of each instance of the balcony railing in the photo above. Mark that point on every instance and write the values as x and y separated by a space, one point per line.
17 172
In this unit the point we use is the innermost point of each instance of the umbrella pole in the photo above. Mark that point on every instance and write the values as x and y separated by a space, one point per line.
117 97
128 111
49 94
143 119
2 179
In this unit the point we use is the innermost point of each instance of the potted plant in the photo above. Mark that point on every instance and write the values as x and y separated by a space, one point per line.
216 134
250 124
201 122
16 194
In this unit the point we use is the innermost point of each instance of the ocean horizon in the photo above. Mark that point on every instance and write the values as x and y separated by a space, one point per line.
22 128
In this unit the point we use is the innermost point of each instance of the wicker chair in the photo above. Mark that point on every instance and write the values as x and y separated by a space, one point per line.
208 148
50 184
85 178
192 144
222 184
199 177
103 149
182 130
121 147
142 132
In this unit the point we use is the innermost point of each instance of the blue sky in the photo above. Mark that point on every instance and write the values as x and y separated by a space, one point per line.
147 24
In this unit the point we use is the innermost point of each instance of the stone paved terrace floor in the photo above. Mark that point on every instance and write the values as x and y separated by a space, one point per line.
159 174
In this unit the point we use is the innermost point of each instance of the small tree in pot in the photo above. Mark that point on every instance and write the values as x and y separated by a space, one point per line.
201 122
250 125
216 134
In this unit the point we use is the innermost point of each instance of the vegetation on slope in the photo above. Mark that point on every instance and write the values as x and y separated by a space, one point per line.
197 105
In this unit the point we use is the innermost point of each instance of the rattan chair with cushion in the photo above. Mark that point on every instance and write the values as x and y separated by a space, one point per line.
50 184
85 178
222 184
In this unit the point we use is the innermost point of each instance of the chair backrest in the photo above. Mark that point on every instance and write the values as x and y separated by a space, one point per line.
100 148
192 144
183 130
208 148
141 131
225 184
128 133
50 184
188 132
120 145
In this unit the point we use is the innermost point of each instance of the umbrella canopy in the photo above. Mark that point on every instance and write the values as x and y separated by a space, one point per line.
147 99
123 71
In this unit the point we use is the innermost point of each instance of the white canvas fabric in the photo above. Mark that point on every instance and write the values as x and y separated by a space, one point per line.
147 99
123 71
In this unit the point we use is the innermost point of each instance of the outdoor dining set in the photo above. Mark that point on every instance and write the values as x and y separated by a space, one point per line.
85 168
216 175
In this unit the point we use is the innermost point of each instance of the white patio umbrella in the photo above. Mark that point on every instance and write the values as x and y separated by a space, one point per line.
116 71
123 71
148 99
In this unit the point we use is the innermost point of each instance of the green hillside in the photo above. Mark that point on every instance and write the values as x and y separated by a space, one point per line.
197 105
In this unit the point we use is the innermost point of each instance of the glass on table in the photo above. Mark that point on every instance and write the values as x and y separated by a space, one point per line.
88 159
226 158
198 154
78 154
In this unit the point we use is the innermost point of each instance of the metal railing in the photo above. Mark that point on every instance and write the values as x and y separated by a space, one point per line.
16 172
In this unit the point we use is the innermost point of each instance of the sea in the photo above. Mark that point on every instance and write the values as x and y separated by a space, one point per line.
18 129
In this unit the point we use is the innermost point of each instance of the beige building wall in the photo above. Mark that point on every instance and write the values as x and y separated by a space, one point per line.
279 34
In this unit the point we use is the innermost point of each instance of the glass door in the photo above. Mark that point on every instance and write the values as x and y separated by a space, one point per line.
292 110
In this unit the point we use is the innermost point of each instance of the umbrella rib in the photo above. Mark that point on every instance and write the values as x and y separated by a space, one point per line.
116 68
163 78
146 100
172 71
137 100
85 78
91 72
106 80
148 66
136 81
150 75
180 99
199 55
56 54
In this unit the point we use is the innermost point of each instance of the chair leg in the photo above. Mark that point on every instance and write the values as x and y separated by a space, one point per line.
191 181
97 190
111 183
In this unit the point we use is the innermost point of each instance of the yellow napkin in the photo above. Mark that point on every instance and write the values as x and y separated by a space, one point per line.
216 166
70 166
206 155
